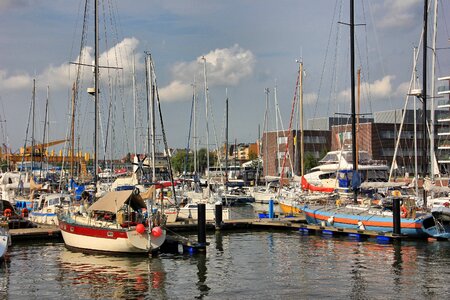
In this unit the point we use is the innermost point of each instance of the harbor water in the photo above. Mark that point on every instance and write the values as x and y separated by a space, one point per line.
236 265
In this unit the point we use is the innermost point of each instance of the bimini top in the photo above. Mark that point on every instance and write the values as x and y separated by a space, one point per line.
113 201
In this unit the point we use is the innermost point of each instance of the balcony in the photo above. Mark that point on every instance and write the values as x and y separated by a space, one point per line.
443 117
443 103
444 145
441 131
443 89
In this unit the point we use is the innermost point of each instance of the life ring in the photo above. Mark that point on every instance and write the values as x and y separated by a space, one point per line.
24 212
404 211
7 212
136 191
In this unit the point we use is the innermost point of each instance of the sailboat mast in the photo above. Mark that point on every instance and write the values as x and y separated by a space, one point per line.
352 83
433 70
266 142
207 121
45 131
134 106
32 125
96 100
302 146
72 130
424 99
153 125
226 144
195 128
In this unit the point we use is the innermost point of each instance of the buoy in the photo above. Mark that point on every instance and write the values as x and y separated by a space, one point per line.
7 212
331 220
25 212
157 231
140 228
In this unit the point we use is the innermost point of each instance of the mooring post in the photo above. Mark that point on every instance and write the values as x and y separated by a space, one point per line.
271 214
201 223
396 215
218 213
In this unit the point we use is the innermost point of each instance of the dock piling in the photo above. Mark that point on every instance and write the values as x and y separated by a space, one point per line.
201 223
396 215
271 213
218 215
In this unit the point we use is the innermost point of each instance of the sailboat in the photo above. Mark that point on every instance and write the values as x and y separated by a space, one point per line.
235 206
118 222
363 214
5 239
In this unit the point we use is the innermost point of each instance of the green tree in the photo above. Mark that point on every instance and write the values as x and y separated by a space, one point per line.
202 161
179 160
310 161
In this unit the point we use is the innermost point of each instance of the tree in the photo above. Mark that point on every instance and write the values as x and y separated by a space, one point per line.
310 161
178 162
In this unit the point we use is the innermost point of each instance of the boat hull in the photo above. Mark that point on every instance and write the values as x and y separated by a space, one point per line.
379 223
289 209
116 240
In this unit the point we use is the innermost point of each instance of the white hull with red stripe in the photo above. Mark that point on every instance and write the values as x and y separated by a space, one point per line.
109 239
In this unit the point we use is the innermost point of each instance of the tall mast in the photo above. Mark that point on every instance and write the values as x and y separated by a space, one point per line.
302 144
134 106
152 106
424 98
45 130
352 83
226 144
207 122
96 98
72 130
195 129
265 144
32 125
433 70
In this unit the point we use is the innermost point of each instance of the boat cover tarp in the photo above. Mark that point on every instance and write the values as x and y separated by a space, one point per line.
376 185
307 186
112 201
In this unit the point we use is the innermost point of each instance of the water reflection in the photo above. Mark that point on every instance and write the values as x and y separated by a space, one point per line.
202 275
112 277
359 285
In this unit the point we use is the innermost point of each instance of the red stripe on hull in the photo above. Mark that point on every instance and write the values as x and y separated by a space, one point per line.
93 231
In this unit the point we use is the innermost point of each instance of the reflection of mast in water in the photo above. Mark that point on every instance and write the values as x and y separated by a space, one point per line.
219 241
359 287
201 274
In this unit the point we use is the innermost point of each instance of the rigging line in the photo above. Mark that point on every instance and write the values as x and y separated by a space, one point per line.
289 134
189 136
119 57
164 134
281 122
219 157
324 62
334 77
26 136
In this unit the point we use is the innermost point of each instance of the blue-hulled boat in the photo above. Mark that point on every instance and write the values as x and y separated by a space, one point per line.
438 223
363 218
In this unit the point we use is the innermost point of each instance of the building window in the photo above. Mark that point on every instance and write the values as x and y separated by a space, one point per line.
282 140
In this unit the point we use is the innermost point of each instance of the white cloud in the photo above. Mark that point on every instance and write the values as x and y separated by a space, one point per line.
381 88
227 67
176 90
14 82
61 77
398 14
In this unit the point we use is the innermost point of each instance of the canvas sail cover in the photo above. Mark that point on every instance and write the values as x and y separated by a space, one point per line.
114 200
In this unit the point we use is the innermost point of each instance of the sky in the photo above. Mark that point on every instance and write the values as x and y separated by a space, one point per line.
248 46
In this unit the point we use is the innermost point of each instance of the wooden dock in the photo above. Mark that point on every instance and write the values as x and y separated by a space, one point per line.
174 230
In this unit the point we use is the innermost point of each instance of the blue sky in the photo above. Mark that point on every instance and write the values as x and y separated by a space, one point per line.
248 45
